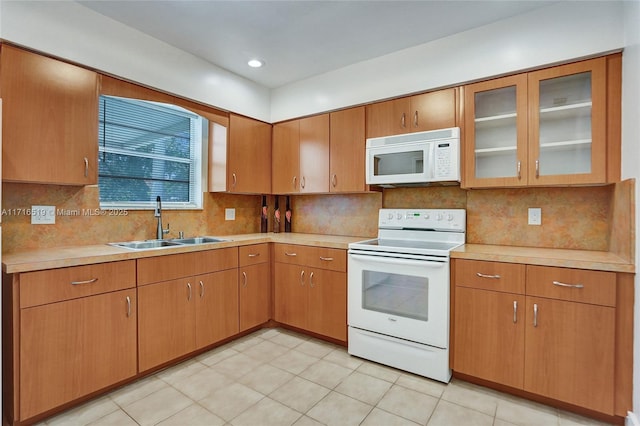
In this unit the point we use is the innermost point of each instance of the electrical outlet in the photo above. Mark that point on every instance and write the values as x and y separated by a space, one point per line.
535 216
43 215
229 214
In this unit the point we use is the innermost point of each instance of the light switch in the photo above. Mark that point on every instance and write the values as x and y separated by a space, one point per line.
229 214
535 216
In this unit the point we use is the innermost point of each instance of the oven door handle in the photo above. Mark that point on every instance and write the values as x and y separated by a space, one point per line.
398 260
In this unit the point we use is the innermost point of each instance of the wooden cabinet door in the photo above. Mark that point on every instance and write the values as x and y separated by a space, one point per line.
285 168
70 349
327 312
433 110
249 164
290 296
495 133
314 154
255 295
489 335
568 124
166 321
388 118
50 116
347 150
216 306
569 352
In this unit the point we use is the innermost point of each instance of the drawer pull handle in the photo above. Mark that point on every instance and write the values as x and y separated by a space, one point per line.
311 279
493 277
128 306
254 254
189 296
290 254
302 278
515 311
244 279
535 314
93 280
201 289
559 284
326 259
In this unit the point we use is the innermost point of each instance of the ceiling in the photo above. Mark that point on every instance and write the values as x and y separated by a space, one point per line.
300 39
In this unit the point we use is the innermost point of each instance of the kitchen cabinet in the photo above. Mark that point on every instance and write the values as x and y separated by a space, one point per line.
347 145
186 302
50 116
418 113
254 283
249 156
548 331
86 319
311 289
554 126
301 156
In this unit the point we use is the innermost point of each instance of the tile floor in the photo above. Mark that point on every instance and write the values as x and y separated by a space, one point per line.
276 377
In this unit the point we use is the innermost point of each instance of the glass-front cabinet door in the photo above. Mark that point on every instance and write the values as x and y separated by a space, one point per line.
496 132
567 125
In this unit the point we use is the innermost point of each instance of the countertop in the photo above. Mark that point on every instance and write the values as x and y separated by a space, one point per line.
59 257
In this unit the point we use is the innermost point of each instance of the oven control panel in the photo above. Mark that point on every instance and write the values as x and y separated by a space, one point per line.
453 220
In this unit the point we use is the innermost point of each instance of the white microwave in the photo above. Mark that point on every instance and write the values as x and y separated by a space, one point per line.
414 158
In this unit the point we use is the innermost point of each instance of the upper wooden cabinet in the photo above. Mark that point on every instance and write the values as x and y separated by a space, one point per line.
249 156
50 116
428 111
347 150
301 156
555 126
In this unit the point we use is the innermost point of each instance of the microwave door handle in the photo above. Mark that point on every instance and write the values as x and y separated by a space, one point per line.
430 164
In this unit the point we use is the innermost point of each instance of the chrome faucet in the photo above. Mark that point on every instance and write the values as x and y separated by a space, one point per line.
158 213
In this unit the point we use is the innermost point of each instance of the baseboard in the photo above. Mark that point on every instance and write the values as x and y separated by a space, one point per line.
632 419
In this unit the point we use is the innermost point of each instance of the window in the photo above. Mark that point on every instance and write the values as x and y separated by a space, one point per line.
148 149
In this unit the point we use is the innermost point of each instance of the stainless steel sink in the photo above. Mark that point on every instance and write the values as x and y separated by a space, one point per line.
145 245
199 240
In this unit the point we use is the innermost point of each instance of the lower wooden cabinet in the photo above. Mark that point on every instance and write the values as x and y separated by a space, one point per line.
254 285
217 314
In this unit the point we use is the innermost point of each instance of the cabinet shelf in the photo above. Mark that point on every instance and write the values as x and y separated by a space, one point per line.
485 152
574 106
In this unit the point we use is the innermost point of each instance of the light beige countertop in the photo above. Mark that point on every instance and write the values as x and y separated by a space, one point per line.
59 257
582 259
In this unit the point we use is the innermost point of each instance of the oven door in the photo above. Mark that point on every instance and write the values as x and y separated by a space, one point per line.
397 164
403 298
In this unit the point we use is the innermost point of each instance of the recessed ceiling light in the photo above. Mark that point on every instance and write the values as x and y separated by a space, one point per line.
255 63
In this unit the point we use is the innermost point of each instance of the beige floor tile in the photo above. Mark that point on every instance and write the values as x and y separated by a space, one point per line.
525 413
86 413
288 340
294 361
268 333
299 394
215 356
447 414
338 409
245 342
363 387
267 412
379 417
180 371
117 418
408 403
236 366
421 384
265 351
341 357
498 422
266 378
380 371
137 390
203 384
158 406
193 415
307 421
326 373
470 397
316 348
231 401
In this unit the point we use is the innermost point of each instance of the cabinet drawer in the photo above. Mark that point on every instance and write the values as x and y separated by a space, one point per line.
577 285
173 266
314 257
496 276
55 285
253 254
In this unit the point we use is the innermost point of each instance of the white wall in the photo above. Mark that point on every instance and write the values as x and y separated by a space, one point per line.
76 33
552 34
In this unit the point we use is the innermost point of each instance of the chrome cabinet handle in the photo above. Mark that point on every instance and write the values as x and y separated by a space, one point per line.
244 279
235 180
535 314
311 280
403 121
537 169
493 277
86 167
415 119
201 289
128 306
303 182
515 311
519 170
92 280
254 254
334 180
326 259
290 254
302 278
294 182
189 296
559 284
